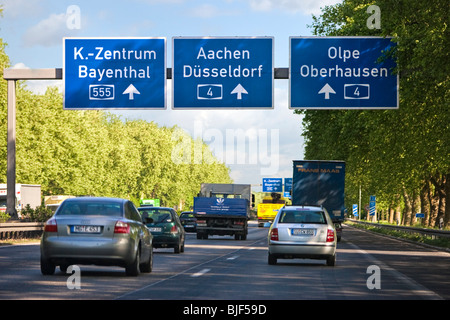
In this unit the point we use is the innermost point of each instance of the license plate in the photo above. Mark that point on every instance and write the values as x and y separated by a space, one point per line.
86 229
155 229
303 232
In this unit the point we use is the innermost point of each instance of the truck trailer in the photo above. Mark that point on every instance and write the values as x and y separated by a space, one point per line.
25 194
320 182
222 209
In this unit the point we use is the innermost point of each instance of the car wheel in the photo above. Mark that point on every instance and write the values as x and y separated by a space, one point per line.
272 260
182 246
148 266
177 248
331 261
133 268
47 268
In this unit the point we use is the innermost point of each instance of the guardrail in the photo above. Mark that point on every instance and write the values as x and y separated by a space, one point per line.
20 230
432 233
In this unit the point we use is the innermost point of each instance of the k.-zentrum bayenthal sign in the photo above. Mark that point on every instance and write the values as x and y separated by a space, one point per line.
342 73
222 72
114 73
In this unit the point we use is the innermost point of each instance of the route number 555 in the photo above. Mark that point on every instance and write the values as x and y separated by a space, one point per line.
101 92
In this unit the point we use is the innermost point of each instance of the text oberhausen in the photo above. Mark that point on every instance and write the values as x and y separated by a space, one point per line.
338 72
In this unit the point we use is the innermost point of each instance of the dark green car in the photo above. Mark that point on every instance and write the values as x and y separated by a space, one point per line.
165 227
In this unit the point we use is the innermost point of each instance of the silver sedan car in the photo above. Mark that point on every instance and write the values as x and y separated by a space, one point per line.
99 231
305 232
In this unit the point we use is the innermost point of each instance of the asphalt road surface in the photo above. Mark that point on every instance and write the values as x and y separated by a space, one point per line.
369 267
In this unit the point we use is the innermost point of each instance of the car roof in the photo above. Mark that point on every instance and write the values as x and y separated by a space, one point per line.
151 207
96 199
316 208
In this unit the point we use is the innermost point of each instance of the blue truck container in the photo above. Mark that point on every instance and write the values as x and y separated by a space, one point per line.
221 206
320 182
222 209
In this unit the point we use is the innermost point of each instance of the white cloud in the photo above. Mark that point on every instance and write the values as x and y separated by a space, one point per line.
205 11
294 6
48 32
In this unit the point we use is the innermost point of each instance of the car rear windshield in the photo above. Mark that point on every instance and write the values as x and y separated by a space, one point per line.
158 215
302 216
91 208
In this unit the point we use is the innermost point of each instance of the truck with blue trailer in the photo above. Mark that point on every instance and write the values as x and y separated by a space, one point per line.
320 182
222 209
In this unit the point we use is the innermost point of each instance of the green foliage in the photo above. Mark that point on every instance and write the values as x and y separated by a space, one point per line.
40 214
4 217
393 153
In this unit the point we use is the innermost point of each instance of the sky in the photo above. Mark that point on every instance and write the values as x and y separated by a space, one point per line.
33 31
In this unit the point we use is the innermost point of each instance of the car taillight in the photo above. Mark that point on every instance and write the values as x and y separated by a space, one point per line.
274 234
121 227
51 225
173 229
330 235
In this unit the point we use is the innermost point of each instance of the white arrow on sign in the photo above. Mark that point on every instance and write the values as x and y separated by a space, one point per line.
131 90
327 90
239 90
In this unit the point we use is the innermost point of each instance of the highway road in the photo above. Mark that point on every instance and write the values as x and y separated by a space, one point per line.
369 267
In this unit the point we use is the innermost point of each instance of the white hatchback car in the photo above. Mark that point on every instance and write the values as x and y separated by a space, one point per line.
305 232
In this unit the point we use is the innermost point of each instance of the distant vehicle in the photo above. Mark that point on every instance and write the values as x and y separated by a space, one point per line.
223 209
166 228
268 209
302 232
321 183
53 202
188 221
100 231
26 194
149 202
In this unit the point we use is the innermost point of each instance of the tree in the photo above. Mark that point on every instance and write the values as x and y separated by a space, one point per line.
393 152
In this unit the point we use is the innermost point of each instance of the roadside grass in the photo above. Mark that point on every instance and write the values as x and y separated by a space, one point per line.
8 242
438 242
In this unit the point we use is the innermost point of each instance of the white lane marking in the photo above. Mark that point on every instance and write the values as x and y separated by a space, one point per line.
182 272
417 288
200 273
232 258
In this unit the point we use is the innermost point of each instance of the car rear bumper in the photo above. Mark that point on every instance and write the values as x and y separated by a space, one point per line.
165 240
66 250
307 251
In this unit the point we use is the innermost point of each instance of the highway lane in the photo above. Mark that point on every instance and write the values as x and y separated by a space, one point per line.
223 268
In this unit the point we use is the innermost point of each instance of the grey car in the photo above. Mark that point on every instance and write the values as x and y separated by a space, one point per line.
99 231
305 232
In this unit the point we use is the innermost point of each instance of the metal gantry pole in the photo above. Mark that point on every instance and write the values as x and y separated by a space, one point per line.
11 152
12 75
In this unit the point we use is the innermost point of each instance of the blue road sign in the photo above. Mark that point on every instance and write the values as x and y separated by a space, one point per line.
372 205
287 184
114 73
342 73
272 185
355 210
222 72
